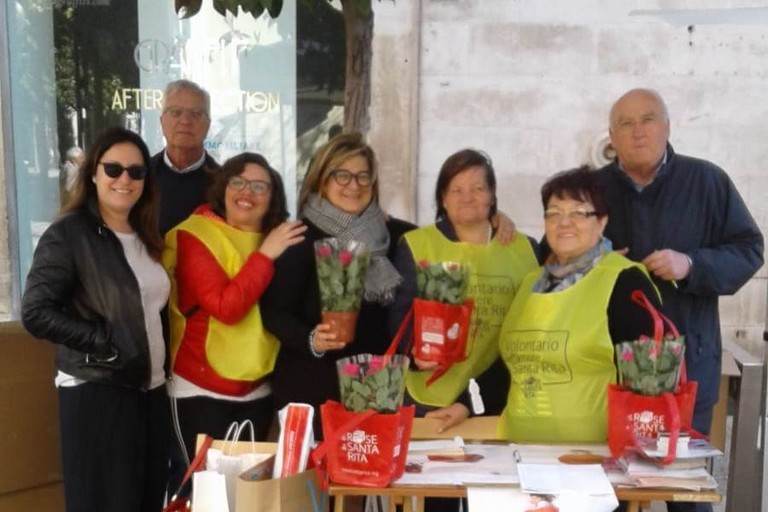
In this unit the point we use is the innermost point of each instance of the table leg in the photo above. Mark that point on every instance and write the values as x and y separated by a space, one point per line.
339 503
633 506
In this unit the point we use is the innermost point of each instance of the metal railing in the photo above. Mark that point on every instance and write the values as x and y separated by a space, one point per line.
746 476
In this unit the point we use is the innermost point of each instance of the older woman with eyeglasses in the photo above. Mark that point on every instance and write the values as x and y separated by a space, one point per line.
558 337
220 260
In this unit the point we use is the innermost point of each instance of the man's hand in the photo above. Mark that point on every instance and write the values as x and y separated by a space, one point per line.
505 228
668 264
449 416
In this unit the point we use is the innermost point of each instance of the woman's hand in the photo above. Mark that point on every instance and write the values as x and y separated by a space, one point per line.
506 231
281 238
425 365
325 339
449 416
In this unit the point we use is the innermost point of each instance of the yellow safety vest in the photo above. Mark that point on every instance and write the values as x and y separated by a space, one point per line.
560 355
496 272
245 351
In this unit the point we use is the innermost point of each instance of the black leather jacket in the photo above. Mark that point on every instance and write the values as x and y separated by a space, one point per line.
82 295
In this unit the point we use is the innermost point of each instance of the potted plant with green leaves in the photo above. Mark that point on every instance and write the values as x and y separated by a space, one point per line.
341 270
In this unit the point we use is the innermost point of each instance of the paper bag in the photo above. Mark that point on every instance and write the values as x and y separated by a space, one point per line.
230 464
300 492
209 492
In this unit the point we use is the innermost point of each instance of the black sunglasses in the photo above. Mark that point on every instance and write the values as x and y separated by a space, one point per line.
113 170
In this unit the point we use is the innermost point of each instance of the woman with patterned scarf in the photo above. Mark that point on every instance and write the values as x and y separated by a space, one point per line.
557 339
338 198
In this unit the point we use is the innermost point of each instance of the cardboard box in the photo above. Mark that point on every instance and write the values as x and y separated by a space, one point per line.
48 498
29 412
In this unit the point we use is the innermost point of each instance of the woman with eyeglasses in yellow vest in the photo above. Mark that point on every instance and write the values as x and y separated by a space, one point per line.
465 196
221 260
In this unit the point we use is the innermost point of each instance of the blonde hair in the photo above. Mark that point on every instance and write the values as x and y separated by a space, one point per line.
330 157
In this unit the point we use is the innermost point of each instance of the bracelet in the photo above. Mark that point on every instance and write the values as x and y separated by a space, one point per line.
312 345
690 264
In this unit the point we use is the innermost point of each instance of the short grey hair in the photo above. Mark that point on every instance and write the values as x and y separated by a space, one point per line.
647 92
189 85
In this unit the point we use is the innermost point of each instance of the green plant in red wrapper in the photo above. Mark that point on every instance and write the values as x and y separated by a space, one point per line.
648 367
368 381
341 270
441 314
444 282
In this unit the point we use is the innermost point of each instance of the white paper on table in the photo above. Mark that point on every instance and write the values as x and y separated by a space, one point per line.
435 446
496 467
496 499
549 454
587 479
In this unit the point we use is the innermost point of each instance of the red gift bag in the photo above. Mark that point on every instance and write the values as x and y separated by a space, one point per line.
440 331
631 415
365 449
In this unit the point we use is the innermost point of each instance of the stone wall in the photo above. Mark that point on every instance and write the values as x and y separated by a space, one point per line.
531 82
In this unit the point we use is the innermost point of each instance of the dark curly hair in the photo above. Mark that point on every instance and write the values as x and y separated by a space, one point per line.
277 212
580 184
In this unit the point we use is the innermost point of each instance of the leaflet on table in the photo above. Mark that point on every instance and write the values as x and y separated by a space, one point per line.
494 499
588 479
697 448
495 464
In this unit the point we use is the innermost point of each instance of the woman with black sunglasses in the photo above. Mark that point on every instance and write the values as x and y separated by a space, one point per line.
96 289
220 260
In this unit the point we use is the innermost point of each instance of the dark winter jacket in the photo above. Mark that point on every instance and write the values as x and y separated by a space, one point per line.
691 207
82 295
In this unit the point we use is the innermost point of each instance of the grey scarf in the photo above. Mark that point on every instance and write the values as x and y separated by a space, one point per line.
555 277
369 227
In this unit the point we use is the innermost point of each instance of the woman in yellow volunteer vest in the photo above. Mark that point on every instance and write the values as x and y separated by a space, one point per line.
466 201
558 337
220 261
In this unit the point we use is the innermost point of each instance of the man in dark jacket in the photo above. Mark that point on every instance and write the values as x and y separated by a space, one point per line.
184 169
685 221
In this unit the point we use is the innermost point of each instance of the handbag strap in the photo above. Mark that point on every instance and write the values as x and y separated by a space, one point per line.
392 349
659 320
196 464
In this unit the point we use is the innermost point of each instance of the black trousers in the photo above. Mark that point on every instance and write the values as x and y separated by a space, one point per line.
114 447
204 415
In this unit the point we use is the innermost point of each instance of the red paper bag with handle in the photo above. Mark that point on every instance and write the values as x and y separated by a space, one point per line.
365 449
631 415
440 331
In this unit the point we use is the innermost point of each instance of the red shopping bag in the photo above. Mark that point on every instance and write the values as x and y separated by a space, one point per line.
440 331
631 415
365 449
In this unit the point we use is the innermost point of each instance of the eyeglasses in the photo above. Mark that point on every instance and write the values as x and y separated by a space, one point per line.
115 170
344 177
195 114
578 215
258 187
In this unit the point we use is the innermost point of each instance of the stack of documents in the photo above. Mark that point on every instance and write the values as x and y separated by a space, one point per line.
688 471
645 473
